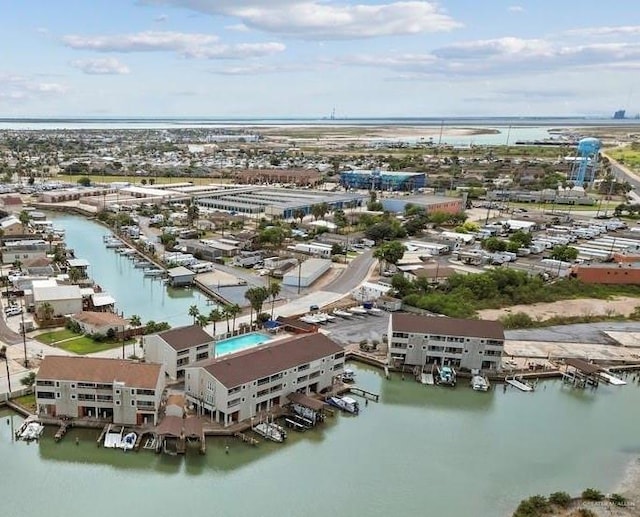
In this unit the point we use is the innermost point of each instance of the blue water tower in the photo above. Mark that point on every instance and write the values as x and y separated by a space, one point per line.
586 160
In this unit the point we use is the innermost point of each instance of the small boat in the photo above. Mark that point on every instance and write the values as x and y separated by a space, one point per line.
446 376
359 310
342 314
154 272
348 376
479 383
374 311
142 264
320 317
269 432
328 317
345 404
282 430
128 441
113 437
31 431
309 319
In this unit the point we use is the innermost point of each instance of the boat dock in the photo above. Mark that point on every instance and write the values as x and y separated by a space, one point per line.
61 431
246 438
522 386
364 393
612 379
427 379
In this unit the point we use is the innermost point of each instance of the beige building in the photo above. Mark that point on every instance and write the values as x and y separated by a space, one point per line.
100 322
239 386
118 391
22 251
176 348
64 299
416 340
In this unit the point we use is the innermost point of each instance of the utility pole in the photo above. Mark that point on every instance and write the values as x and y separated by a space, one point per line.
24 341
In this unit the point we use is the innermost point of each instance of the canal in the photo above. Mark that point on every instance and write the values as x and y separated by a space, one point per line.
420 451
134 293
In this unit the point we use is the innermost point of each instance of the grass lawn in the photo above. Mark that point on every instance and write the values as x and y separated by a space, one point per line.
160 180
49 338
28 402
85 345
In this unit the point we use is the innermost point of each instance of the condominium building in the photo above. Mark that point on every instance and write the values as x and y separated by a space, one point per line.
239 386
416 340
176 348
114 390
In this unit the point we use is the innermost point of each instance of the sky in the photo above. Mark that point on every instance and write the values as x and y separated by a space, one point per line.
306 58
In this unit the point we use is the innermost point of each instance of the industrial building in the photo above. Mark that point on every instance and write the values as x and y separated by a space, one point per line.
422 341
307 272
298 177
383 180
282 203
431 204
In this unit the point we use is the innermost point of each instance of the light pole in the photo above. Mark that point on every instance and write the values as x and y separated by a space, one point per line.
24 339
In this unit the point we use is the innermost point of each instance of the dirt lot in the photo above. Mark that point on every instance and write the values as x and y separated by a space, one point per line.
624 305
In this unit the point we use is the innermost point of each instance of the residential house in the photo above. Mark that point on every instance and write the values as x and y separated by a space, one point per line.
115 390
239 386
99 322
11 226
24 250
64 299
416 340
177 348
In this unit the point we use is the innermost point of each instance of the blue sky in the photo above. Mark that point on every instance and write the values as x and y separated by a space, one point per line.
284 58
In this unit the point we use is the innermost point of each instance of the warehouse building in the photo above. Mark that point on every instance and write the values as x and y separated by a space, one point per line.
307 273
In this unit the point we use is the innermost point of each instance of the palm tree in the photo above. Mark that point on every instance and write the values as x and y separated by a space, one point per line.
274 291
194 313
202 320
135 320
3 355
234 310
214 317
46 311
298 213
226 312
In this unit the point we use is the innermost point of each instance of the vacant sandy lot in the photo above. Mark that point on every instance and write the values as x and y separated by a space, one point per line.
624 305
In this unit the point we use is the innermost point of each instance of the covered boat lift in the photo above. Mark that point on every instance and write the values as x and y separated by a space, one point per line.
307 407
581 373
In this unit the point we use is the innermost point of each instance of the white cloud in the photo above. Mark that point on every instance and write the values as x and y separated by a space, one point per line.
515 9
101 66
259 69
186 44
317 19
238 27
622 30
22 88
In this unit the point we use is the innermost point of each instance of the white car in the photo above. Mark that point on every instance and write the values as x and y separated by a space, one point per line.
13 311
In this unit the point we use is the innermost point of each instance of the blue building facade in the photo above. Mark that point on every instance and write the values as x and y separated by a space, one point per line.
383 180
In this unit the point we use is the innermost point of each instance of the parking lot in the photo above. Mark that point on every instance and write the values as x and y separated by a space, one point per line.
358 328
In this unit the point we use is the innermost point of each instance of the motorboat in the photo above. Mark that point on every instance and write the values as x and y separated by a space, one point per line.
374 311
327 317
479 383
154 272
320 317
269 432
348 376
342 314
32 431
309 319
347 404
359 311
129 441
446 376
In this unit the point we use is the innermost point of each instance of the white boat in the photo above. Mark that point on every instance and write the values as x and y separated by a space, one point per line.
113 437
348 375
154 272
479 383
446 376
374 311
345 404
342 314
309 319
329 317
269 432
128 441
32 431
359 310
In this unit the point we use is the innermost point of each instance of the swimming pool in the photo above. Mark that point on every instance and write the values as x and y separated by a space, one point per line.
235 344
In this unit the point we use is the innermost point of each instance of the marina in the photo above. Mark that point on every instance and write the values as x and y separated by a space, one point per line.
528 461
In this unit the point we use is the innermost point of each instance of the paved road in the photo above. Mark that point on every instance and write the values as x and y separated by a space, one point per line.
579 333
624 173
353 275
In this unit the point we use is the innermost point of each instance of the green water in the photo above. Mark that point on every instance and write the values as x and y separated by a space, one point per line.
421 451
134 293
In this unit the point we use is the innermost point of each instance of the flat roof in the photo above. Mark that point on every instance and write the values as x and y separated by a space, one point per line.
418 324
100 370
58 292
263 361
180 271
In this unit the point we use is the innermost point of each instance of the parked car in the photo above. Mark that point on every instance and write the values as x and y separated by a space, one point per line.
13 311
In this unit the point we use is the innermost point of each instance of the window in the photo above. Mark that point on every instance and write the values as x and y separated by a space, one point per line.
338 355
57 384
117 402
402 335
86 396
303 367
146 392
73 386
262 381
133 403
86 385
58 395
73 396
133 392
233 390
233 402
44 383
45 395
117 392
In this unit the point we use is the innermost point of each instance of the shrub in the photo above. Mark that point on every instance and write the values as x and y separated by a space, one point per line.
618 499
560 499
585 512
518 320
592 494
535 506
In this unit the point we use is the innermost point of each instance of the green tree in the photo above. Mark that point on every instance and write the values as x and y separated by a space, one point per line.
390 253
274 291
256 297
564 253
298 213
215 316
340 218
135 321
84 181
521 238
24 218
494 244
560 499
234 311
194 312
202 320
46 311
29 380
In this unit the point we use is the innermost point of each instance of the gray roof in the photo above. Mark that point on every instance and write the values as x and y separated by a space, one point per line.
182 338
418 324
180 271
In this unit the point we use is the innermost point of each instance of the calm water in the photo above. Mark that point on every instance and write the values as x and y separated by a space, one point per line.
149 298
235 344
421 451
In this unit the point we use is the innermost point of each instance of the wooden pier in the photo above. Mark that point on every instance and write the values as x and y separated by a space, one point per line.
364 393
246 438
64 426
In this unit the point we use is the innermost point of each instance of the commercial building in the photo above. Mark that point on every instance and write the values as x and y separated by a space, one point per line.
307 273
619 274
239 386
298 177
180 276
176 348
63 299
118 391
416 340
383 180
431 204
